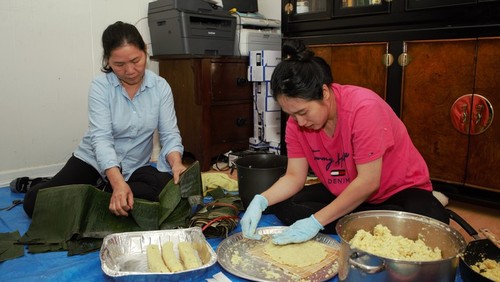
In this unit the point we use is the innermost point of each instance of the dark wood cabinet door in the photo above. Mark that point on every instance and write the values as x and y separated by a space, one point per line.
183 76
229 81
231 124
484 148
213 103
359 64
437 74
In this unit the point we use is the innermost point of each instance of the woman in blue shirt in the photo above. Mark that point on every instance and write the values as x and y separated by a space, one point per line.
126 105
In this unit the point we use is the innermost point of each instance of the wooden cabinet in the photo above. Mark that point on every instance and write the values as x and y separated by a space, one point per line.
320 17
434 75
484 154
362 64
213 102
433 79
435 63
438 74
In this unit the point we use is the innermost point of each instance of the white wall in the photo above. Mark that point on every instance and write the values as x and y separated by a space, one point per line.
271 9
51 49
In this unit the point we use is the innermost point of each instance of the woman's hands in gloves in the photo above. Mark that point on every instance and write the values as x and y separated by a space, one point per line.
302 230
252 216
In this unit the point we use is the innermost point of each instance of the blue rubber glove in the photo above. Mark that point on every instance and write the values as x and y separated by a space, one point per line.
301 231
252 216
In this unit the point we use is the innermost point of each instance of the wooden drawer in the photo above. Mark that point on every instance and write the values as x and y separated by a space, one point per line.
213 102
229 81
231 123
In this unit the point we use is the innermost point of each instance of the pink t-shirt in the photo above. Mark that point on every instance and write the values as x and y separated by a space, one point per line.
367 129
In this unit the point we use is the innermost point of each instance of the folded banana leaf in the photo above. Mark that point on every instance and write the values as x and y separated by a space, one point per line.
8 248
219 217
76 217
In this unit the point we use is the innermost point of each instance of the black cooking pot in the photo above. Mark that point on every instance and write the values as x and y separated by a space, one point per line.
475 251
256 173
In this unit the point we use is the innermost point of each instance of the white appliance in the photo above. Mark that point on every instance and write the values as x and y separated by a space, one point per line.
256 33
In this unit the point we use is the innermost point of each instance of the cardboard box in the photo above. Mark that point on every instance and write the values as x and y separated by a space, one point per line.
263 97
272 118
260 73
272 133
272 105
265 58
259 96
254 141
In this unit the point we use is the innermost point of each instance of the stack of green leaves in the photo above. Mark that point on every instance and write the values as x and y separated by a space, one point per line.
8 247
76 217
219 217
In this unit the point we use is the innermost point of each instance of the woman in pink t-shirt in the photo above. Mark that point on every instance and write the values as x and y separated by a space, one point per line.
353 142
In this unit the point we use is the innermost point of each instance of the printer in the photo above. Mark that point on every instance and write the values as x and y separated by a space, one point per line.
194 27
253 33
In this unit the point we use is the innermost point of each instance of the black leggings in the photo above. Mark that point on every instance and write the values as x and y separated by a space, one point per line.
146 182
315 197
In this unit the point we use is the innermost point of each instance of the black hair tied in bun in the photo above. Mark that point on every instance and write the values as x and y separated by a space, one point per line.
296 50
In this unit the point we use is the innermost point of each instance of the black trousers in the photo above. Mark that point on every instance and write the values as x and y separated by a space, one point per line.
146 182
315 197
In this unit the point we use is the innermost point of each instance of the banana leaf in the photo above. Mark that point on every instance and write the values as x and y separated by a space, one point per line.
76 217
177 217
170 197
8 248
219 217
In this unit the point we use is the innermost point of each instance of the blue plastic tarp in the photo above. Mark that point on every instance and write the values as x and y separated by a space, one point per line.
58 266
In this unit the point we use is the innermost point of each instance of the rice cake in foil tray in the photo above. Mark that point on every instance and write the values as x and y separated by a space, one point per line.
123 255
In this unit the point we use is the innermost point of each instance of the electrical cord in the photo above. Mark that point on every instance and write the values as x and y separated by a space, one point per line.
218 161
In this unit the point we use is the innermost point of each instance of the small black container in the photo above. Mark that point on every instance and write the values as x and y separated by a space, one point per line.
256 173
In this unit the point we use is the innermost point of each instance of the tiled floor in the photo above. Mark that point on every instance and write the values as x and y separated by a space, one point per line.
477 216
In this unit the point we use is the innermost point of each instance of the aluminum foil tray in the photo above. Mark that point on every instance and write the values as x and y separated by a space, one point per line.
123 255
258 269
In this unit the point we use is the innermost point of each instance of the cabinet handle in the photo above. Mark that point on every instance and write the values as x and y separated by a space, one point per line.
241 121
404 59
288 8
387 59
464 115
471 114
241 81
482 114
479 113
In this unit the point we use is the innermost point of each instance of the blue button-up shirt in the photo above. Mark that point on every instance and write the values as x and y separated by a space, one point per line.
121 130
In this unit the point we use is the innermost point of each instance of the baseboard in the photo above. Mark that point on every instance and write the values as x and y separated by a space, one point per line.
42 171
470 195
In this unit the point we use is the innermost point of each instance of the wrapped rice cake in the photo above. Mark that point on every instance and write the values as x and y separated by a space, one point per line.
169 258
155 261
166 261
189 256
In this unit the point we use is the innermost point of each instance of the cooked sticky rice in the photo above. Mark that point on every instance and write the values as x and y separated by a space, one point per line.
488 268
382 243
